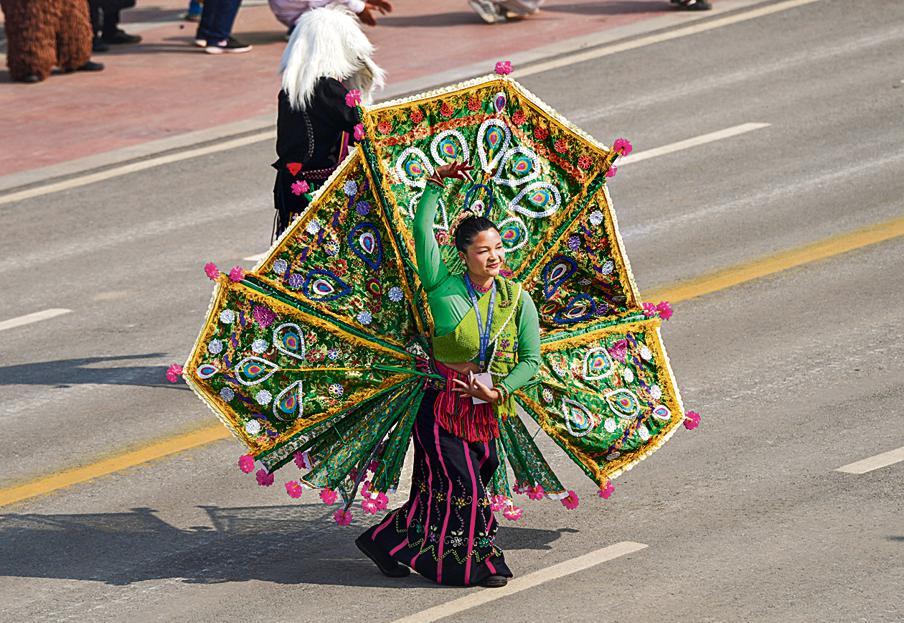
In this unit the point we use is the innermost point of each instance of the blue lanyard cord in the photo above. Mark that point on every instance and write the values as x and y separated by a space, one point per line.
483 329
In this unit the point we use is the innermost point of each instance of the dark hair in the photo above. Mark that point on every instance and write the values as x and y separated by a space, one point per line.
468 228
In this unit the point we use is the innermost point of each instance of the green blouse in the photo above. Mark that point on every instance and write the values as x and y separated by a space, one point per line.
450 303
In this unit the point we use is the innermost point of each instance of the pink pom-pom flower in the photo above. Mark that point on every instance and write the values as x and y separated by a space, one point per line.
328 496
504 68
650 310
691 420
519 488
299 187
381 500
369 506
513 513
664 309
263 478
607 490
213 273
536 493
293 489
622 146
498 503
353 98
173 373
246 463
571 501
342 517
359 132
236 274
611 171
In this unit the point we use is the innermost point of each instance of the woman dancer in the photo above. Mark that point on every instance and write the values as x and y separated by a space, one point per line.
487 345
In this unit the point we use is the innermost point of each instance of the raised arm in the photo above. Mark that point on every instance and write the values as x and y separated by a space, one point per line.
430 267
528 347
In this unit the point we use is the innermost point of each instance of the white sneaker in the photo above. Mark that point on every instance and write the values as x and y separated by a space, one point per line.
487 11
228 46
201 43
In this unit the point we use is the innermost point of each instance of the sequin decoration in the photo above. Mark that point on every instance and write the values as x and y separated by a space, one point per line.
287 339
365 242
538 200
624 403
322 285
499 101
597 364
513 233
413 167
555 273
661 412
449 146
578 419
493 139
253 370
288 404
206 370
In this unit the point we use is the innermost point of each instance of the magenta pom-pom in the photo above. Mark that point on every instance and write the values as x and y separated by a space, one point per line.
342 517
611 171
691 420
236 274
607 490
622 146
504 68
174 373
293 489
263 478
359 132
513 513
246 463
353 98
328 496
536 492
571 501
213 273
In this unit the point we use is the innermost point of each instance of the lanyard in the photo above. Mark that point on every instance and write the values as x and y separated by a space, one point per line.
482 329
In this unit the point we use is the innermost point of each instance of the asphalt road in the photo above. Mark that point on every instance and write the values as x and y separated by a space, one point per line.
745 519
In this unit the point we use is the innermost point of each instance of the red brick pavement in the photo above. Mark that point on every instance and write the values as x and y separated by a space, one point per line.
165 86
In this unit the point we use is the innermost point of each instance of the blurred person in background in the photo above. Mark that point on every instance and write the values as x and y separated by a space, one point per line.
215 29
105 24
288 11
193 13
497 11
325 67
41 34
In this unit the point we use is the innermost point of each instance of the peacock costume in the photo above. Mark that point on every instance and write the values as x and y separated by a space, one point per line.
330 350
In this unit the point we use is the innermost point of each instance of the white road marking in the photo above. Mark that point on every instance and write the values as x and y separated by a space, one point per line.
479 598
572 59
874 462
703 139
46 314
134 167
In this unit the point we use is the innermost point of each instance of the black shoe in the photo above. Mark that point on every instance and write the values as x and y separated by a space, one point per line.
121 37
91 66
494 581
31 79
384 563
98 45
227 46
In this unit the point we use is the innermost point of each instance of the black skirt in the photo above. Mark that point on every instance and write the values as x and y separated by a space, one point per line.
446 531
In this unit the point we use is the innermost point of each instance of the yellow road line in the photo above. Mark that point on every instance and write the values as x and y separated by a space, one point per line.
158 450
707 284
763 267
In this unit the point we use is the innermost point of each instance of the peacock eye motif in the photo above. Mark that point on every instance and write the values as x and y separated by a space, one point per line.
513 232
624 403
597 364
322 286
493 139
449 146
253 370
518 166
288 405
413 167
287 339
365 242
578 419
538 200
555 273
578 309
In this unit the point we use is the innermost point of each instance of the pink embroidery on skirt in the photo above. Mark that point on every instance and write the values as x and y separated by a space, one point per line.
461 417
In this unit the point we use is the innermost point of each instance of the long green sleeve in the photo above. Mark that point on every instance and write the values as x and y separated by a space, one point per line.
430 266
528 346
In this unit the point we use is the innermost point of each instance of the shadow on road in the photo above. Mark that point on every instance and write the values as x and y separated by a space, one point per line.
282 544
67 372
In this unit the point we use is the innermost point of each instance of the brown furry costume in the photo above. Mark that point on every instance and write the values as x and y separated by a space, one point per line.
44 33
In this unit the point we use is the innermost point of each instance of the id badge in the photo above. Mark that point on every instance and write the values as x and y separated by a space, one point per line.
487 379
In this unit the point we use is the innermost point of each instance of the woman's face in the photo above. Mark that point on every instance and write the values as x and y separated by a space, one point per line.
485 254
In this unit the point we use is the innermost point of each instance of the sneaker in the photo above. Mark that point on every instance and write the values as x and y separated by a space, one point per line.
121 37
227 46
191 17
90 66
98 45
201 43
487 11
693 5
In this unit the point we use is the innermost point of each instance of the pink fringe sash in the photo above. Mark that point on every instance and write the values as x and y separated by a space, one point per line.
461 417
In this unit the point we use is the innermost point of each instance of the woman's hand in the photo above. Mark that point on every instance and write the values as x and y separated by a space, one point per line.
456 170
476 389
